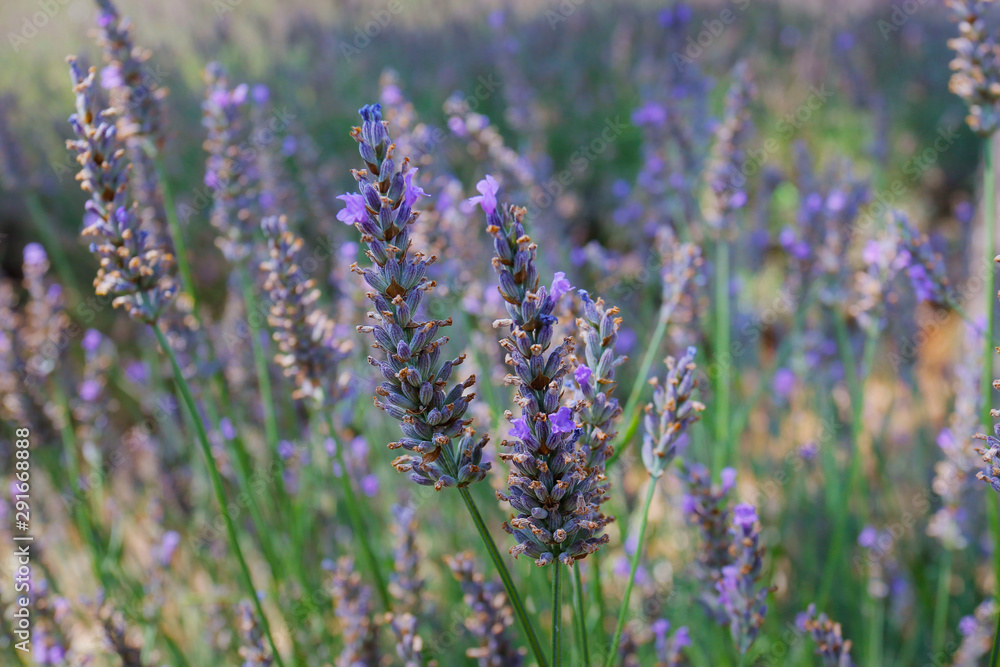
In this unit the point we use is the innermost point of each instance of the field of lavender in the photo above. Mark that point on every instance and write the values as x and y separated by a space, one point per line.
500 333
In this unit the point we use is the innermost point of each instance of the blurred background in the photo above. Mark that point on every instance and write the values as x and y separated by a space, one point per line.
599 117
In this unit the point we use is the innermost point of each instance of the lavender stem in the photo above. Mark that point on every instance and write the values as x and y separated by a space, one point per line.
581 619
357 523
643 520
508 583
216 480
556 614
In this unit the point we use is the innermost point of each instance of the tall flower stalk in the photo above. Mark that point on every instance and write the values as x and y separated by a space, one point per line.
415 376
668 417
133 271
976 79
727 185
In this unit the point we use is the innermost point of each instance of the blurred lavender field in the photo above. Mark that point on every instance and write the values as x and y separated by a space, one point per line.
498 333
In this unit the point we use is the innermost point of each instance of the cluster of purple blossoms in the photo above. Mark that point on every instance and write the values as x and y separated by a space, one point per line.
409 645
976 66
740 595
670 414
670 648
829 640
705 506
134 271
308 349
233 215
924 267
490 615
253 648
353 607
134 85
597 410
549 485
977 635
415 376
726 179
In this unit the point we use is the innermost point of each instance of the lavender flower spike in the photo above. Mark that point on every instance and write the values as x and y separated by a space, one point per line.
133 270
490 615
705 506
133 84
744 604
558 516
307 348
670 413
726 179
976 67
597 409
830 642
415 376
233 214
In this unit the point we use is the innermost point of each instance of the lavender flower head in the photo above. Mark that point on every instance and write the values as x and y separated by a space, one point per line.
415 376
353 607
726 180
596 408
705 506
670 413
490 615
829 640
923 266
232 212
976 66
744 602
558 513
133 83
670 648
133 270
307 347
977 635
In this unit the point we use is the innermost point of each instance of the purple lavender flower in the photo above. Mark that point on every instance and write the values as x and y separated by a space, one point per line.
924 266
414 374
726 179
597 408
829 640
135 88
490 615
558 516
745 605
706 507
307 347
133 270
234 214
976 67
487 198
670 413
253 648
670 650
353 607
977 635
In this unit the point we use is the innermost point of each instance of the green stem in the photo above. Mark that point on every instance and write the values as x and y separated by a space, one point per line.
556 612
581 617
173 224
508 583
941 605
643 520
723 446
260 362
989 252
357 522
599 593
220 495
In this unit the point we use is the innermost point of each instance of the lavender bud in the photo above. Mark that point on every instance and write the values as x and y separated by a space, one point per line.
976 66
830 642
670 413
